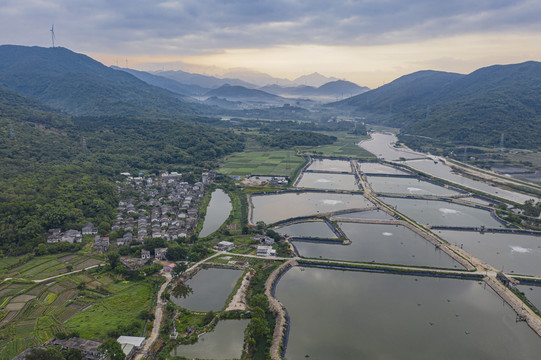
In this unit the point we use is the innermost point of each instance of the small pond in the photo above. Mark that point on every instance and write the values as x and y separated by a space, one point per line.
330 165
317 229
276 207
407 186
443 213
369 214
512 253
211 287
217 212
377 168
224 342
391 244
328 181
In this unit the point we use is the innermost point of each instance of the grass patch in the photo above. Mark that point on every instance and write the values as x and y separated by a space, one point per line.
345 146
110 312
272 163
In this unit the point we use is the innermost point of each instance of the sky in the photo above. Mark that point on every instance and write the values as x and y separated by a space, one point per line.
370 42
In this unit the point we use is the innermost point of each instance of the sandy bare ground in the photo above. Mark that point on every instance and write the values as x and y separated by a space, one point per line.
238 302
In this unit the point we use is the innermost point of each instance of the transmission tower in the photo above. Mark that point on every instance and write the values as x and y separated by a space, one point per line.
52 34
11 131
465 156
501 142
85 149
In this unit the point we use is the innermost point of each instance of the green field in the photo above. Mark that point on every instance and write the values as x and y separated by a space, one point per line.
127 299
273 163
41 267
90 302
345 146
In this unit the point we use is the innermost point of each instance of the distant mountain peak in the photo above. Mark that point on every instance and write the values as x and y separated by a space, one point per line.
315 79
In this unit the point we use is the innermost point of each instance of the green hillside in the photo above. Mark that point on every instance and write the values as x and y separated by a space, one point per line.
79 85
472 109
49 179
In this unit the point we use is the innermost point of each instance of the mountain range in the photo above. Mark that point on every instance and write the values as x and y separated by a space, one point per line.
472 109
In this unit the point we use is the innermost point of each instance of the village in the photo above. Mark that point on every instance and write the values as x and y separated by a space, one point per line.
163 207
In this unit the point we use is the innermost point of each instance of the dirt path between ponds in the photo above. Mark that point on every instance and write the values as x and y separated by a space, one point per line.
277 309
238 302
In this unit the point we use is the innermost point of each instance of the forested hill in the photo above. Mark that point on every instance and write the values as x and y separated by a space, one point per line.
474 109
59 172
480 107
401 95
81 86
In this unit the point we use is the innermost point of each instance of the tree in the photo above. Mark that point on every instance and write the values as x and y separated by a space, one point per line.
113 259
176 252
73 354
274 235
45 354
209 317
182 290
113 349
41 249
179 269
69 267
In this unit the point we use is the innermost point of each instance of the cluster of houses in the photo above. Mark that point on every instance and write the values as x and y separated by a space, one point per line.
71 236
150 207
159 207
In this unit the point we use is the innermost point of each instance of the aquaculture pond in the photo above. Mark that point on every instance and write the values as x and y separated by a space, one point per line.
276 207
443 213
211 287
443 171
217 212
327 181
377 168
512 253
330 165
407 186
317 229
391 244
224 342
357 315
369 214
380 145
533 293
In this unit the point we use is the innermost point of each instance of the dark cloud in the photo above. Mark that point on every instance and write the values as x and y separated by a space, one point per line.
200 26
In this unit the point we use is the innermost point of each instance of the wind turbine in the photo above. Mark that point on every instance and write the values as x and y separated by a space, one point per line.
52 34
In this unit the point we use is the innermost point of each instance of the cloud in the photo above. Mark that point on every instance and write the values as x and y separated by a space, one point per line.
173 27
